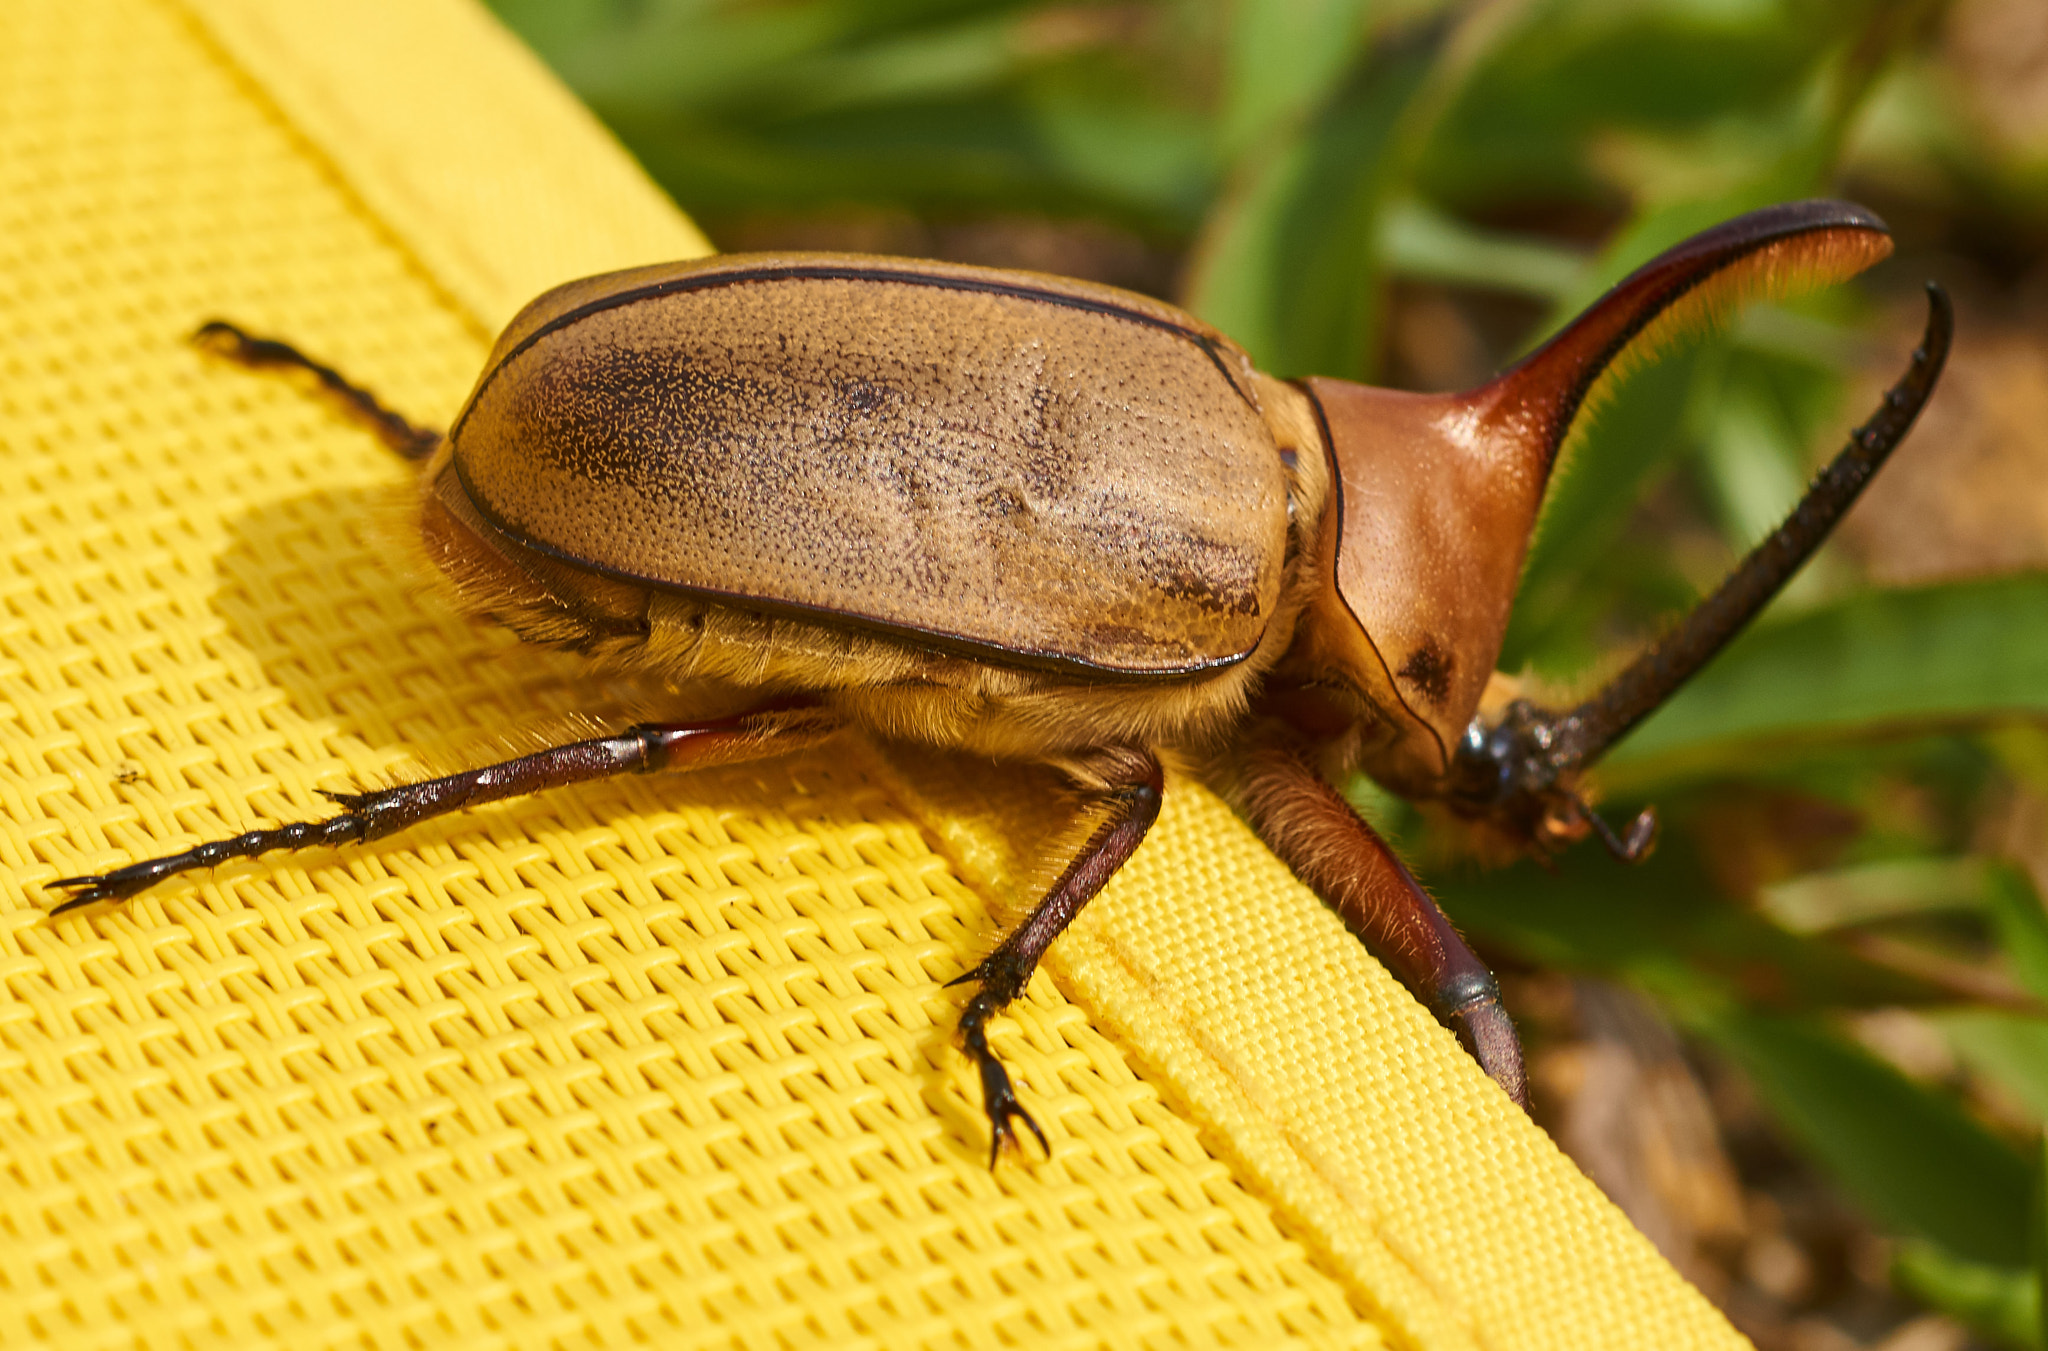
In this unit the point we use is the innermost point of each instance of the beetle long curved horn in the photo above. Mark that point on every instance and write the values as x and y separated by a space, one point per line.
1776 252
1589 730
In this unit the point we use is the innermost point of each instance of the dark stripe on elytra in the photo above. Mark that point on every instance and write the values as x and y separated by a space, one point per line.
827 272
957 644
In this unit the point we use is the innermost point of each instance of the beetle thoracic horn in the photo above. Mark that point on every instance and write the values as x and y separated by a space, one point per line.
1441 491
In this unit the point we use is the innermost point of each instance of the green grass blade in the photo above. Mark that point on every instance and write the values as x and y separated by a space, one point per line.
2008 1049
1913 1159
1289 266
1662 925
1424 244
1284 59
2001 1303
2021 925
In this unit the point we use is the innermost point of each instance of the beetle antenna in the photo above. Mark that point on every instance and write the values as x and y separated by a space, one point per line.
1595 725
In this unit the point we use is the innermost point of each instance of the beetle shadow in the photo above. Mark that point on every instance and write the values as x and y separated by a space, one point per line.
329 597
340 611
325 592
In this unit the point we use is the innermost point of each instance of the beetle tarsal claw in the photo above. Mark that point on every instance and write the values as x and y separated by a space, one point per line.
1000 1102
998 1094
1631 846
85 891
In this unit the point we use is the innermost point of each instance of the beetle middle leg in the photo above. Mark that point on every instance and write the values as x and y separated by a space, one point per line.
642 749
1130 784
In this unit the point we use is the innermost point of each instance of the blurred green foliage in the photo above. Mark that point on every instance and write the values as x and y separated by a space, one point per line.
1313 162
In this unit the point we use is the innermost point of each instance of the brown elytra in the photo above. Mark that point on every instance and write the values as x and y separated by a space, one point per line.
1023 469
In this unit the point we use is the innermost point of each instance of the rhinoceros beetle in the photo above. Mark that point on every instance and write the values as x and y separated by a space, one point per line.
1050 521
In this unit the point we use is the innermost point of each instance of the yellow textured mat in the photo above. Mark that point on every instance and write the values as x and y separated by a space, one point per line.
664 1060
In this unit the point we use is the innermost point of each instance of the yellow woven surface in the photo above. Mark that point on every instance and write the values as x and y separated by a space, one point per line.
664 1059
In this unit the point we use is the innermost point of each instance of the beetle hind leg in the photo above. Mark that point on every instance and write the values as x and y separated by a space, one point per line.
641 749
1130 784
409 439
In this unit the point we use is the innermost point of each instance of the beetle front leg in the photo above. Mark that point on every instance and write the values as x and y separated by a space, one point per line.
1131 784
1342 859
642 749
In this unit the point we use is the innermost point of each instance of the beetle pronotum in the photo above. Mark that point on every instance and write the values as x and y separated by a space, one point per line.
1050 521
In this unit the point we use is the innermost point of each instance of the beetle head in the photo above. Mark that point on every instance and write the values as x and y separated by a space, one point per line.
1437 494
